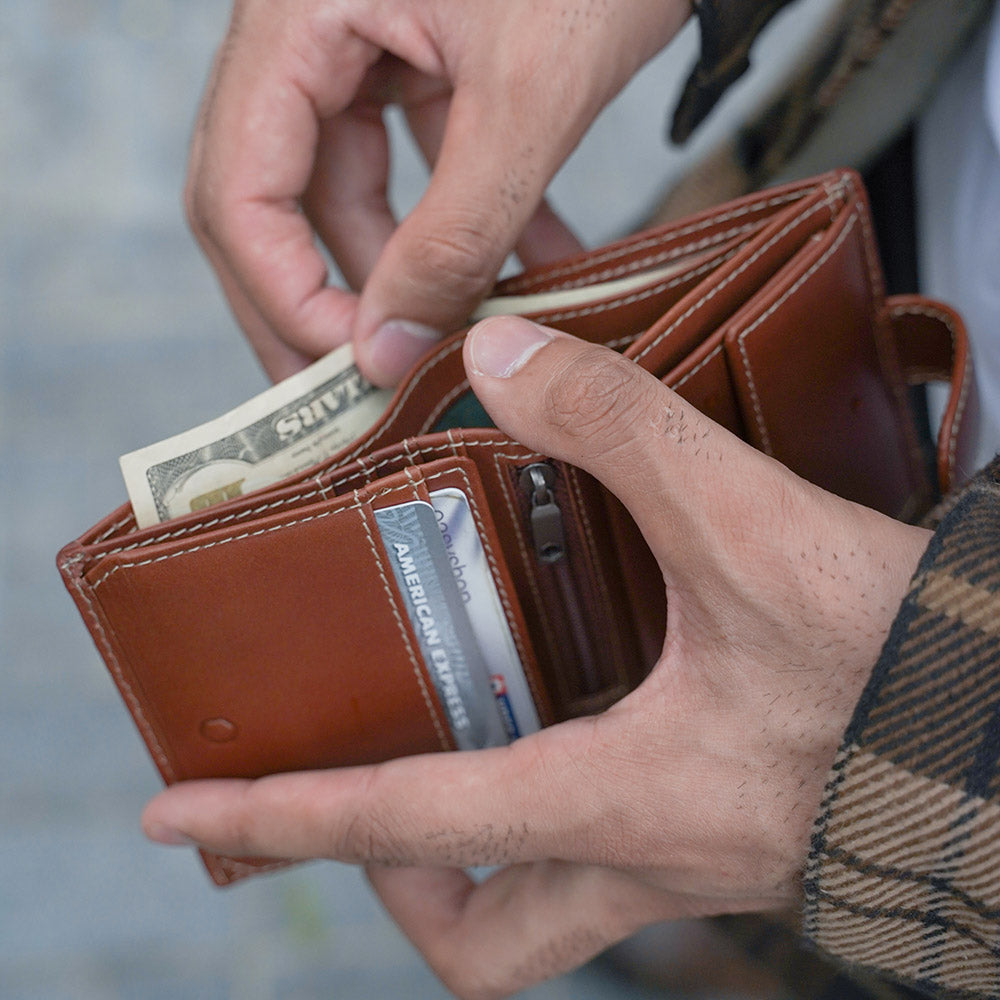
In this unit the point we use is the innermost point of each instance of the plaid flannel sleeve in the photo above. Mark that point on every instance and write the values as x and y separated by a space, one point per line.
904 872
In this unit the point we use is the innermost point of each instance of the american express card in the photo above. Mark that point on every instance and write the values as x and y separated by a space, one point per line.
481 600
419 560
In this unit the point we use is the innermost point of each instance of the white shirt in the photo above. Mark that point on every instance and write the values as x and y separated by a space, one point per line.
958 198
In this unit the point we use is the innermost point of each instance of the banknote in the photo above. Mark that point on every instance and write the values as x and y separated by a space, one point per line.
300 421
287 428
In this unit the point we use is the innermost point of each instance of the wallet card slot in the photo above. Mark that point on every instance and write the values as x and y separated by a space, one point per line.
694 319
665 243
481 632
571 613
462 475
614 314
281 647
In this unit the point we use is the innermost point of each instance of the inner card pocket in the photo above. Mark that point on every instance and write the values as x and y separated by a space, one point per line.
274 647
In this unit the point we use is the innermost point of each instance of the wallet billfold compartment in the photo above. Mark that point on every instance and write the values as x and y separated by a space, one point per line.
269 633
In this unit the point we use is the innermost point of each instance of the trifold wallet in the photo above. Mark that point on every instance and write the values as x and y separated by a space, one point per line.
270 633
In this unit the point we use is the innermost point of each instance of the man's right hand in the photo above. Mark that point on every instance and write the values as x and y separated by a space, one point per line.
290 148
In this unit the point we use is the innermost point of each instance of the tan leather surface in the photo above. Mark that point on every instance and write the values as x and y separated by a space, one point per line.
267 633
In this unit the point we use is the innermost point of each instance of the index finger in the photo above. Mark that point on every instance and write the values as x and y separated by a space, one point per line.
483 807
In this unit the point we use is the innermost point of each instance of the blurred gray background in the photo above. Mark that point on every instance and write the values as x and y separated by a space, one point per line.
113 335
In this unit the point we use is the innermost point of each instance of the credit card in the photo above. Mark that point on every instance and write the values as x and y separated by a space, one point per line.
481 600
419 561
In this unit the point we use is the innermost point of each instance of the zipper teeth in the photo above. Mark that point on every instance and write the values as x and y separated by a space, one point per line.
589 673
538 482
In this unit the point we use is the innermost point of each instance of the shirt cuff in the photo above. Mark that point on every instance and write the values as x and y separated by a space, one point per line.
904 870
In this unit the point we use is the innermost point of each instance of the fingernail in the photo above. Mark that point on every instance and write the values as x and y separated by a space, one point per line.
163 834
396 346
501 347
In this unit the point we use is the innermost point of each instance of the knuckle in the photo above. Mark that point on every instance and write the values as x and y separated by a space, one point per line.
598 394
455 262
367 839
461 977
210 210
371 835
354 843
244 829
198 209
552 951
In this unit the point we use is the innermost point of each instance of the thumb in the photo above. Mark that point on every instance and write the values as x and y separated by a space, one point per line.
589 406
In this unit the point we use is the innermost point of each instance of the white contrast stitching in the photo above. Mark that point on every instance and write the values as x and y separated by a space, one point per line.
214 523
367 469
387 419
357 453
707 243
698 367
443 405
429 450
730 278
628 300
120 523
270 529
632 248
457 446
119 674
777 304
428 701
620 342
868 242
629 267
219 541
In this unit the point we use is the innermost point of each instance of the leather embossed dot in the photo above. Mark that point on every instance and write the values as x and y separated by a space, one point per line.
219 730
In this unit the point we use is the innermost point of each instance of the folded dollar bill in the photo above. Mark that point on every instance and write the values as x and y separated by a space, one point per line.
300 421
283 430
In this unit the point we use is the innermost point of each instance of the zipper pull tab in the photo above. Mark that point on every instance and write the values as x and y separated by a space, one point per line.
546 517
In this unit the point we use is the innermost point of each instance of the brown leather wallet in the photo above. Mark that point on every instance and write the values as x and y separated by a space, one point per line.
267 633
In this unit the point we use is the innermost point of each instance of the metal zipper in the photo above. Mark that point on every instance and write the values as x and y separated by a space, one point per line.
549 539
546 517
